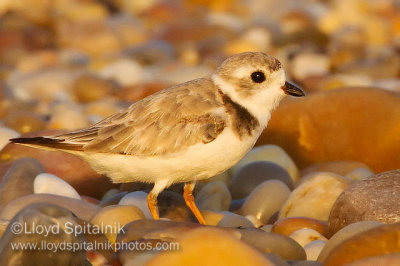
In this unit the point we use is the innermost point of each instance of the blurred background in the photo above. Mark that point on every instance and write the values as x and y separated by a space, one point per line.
65 64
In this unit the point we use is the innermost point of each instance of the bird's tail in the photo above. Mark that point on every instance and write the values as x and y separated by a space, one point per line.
47 143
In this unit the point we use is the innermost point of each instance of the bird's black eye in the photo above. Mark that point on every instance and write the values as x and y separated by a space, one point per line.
258 76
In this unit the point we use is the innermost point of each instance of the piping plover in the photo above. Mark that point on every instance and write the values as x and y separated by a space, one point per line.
188 132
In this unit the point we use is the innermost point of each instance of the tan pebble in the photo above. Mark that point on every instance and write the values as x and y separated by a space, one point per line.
272 153
88 88
306 201
200 246
289 225
344 234
212 217
24 122
313 249
306 235
214 196
114 217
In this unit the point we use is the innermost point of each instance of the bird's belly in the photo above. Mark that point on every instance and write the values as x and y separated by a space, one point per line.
200 161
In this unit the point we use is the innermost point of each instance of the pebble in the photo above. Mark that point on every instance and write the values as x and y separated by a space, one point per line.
51 184
313 249
213 217
388 259
315 197
235 221
271 153
344 234
18 180
23 122
82 209
48 216
171 205
205 245
307 235
377 241
266 199
360 174
124 71
373 199
246 179
214 196
362 120
287 226
115 217
341 168
89 88
138 199
112 200
309 64
6 134
67 117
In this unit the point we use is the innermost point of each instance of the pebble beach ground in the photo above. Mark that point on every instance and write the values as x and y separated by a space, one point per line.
321 187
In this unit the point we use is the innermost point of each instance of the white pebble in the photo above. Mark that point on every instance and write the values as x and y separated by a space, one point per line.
138 199
126 72
306 235
51 184
313 249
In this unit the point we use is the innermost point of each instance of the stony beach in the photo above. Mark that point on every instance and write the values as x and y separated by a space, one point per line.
321 186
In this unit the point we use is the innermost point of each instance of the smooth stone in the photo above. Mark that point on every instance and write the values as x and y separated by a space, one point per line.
235 221
48 216
210 244
51 184
124 71
172 206
306 201
360 174
89 88
387 260
18 180
138 199
213 217
80 208
266 199
267 228
341 168
5 135
282 246
313 249
90 199
305 263
116 217
146 230
214 196
358 117
344 234
247 178
67 117
377 241
309 64
24 122
109 194
306 235
113 200
270 153
289 225
86 181
373 199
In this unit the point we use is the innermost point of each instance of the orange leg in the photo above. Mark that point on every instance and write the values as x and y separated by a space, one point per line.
189 199
152 204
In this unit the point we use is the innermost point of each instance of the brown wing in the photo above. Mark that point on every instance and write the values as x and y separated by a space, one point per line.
168 121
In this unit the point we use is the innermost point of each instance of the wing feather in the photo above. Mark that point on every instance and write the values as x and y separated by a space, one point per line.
165 122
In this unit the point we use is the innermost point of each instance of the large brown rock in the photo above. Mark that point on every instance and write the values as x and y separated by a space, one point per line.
373 199
356 124
374 242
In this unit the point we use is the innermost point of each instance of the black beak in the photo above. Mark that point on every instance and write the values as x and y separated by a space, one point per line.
293 90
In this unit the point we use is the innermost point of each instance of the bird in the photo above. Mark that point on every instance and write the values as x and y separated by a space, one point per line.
185 133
